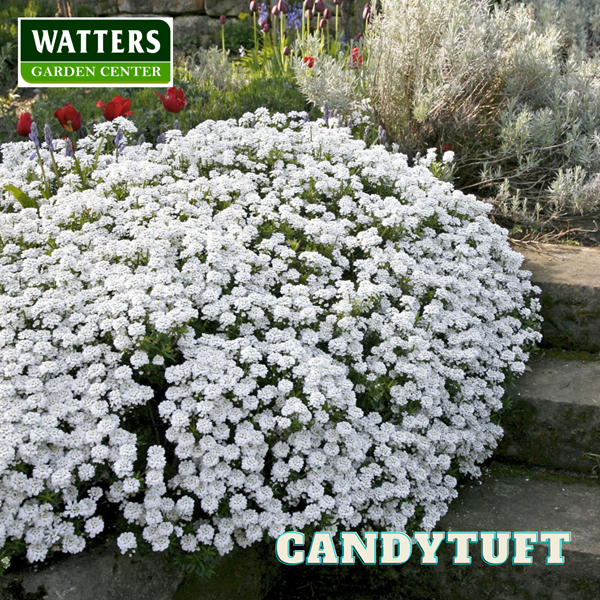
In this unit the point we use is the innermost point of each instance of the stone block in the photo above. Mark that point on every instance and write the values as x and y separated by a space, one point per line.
197 28
136 6
101 8
216 8
178 7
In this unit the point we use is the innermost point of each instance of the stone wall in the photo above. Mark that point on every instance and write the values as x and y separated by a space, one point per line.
193 20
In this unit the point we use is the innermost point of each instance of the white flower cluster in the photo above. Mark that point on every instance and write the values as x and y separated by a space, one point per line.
257 326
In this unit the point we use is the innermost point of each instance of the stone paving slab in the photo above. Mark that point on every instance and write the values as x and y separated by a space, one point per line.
103 574
553 416
569 278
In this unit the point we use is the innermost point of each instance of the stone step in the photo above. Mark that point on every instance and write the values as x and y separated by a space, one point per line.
553 413
569 278
517 499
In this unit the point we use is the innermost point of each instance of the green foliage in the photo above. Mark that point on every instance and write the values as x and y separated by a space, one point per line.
24 200
205 101
238 32
200 564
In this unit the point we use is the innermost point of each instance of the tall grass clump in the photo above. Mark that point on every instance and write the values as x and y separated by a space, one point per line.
516 96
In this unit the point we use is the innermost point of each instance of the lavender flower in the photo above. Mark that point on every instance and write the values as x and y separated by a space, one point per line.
48 137
118 139
294 17
33 136
263 14
326 113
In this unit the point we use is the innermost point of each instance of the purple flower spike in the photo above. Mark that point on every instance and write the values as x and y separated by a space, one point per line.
33 136
48 137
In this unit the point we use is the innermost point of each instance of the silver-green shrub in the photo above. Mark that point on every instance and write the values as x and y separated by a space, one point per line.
578 20
212 68
515 91
329 80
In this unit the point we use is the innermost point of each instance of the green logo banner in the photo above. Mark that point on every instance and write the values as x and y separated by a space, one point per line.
95 52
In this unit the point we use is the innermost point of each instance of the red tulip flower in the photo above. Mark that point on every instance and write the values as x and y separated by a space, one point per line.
174 100
310 61
327 14
24 125
68 117
356 57
117 107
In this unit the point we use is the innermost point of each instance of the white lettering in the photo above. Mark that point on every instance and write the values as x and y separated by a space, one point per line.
45 41
152 39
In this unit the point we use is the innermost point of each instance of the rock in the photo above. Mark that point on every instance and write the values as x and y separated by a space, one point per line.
198 28
136 6
216 8
178 7
100 8
105 574
161 7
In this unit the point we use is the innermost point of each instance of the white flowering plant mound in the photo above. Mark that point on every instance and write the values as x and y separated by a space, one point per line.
258 326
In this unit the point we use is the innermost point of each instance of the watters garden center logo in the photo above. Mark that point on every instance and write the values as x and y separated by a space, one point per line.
95 52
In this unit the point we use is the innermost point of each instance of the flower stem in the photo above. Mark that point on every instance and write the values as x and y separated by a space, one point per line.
337 13
44 178
55 168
